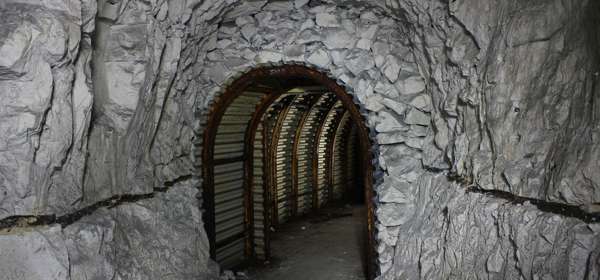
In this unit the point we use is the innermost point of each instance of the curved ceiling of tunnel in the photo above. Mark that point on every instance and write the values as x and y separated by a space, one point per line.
301 150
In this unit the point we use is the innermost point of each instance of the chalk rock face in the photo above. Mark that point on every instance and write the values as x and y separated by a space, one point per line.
522 102
155 238
133 241
483 115
36 254
42 73
90 244
58 67
508 119
485 234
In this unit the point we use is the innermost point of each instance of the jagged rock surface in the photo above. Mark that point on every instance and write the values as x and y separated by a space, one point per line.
104 99
160 237
513 93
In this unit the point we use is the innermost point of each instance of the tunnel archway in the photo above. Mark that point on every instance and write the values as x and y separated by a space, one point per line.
232 162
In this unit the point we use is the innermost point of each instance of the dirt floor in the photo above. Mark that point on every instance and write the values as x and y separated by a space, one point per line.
328 245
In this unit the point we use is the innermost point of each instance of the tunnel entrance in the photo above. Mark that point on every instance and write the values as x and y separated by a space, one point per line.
282 142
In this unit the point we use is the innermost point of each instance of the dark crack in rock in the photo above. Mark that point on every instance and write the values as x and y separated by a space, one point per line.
103 99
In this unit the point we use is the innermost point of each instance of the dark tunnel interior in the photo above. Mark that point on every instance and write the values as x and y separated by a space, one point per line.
284 150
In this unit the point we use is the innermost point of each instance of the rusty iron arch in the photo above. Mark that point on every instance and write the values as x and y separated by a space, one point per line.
295 147
234 90
281 117
330 151
315 159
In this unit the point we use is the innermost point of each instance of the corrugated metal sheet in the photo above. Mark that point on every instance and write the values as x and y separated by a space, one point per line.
258 201
352 159
308 141
326 138
229 179
340 160
299 152
287 197
276 155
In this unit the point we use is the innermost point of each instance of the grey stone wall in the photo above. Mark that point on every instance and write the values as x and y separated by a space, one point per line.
510 183
484 115
88 187
513 85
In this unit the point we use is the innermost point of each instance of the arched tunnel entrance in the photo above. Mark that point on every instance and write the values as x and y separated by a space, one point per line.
281 142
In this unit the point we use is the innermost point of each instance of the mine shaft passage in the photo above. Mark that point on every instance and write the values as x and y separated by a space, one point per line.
283 144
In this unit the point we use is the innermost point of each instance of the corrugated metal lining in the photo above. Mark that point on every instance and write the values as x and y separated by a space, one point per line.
296 166
324 144
276 156
258 201
351 156
341 159
301 159
229 209
287 180
228 148
283 159
306 154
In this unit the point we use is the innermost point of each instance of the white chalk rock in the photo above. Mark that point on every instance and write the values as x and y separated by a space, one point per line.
388 123
34 254
339 39
391 68
415 116
300 3
395 214
410 85
358 61
320 58
327 20
268 56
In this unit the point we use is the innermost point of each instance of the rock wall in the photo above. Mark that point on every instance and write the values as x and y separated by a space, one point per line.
514 88
510 190
484 118
158 236
86 189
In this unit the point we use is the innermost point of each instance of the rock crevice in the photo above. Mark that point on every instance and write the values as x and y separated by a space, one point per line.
19 222
101 119
586 214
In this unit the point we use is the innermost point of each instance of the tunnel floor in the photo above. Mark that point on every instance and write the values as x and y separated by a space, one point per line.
326 245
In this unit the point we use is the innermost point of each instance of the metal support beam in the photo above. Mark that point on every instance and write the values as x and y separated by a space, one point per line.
287 73
330 150
315 158
272 155
208 163
297 136
248 170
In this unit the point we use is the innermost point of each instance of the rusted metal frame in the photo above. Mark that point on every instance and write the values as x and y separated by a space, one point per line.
249 137
215 115
331 151
365 156
365 145
315 157
330 157
261 88
272 155
297 136
250 134
287 71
